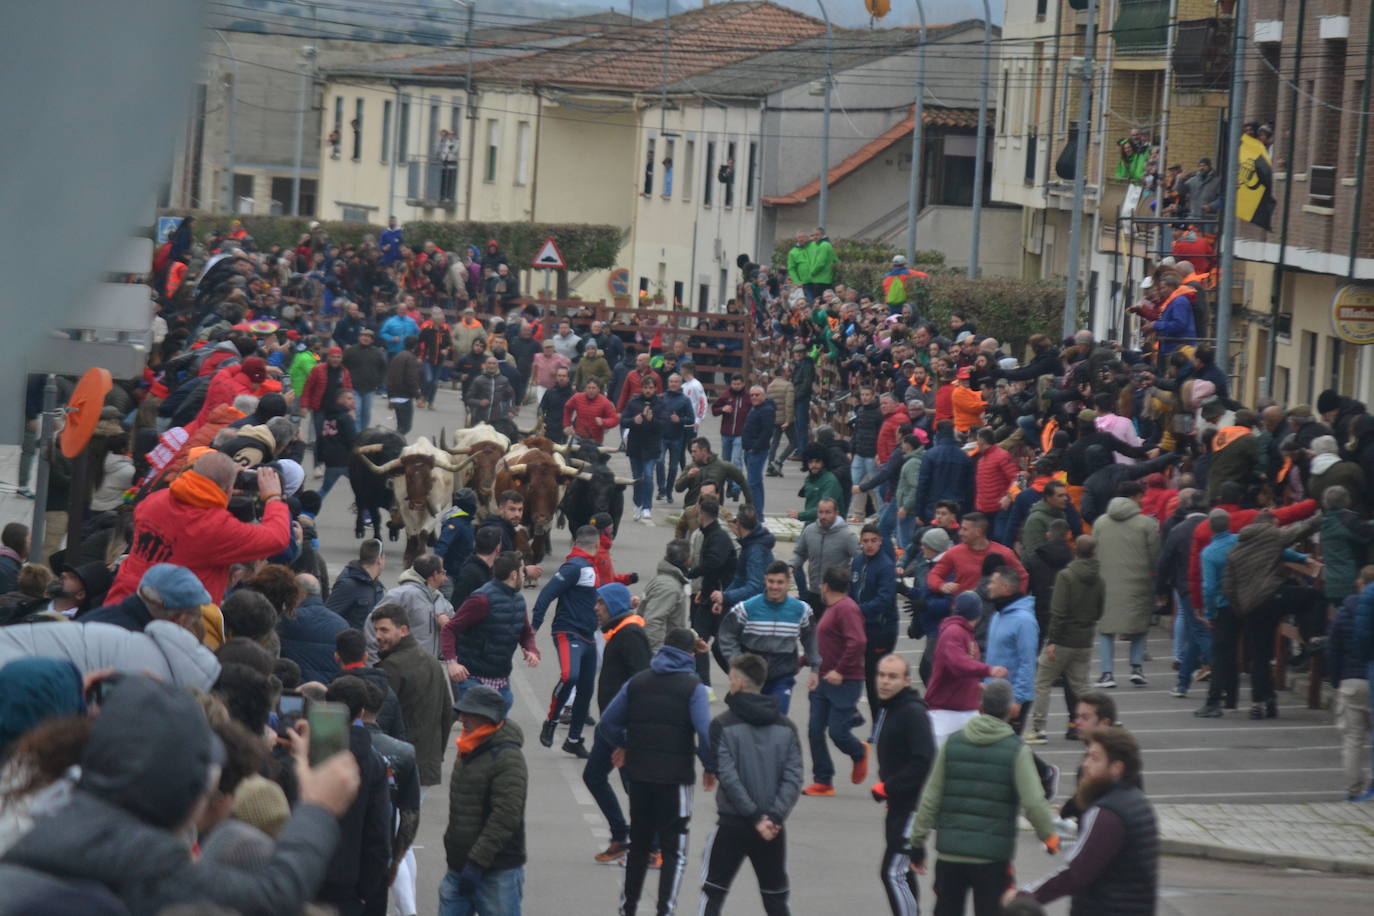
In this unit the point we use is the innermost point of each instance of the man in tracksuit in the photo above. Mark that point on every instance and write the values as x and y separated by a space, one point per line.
651 724
574 636
758 762
770 625
873 584
905 746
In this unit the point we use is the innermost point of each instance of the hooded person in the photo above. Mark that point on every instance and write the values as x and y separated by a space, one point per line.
33 690
149 766
957 671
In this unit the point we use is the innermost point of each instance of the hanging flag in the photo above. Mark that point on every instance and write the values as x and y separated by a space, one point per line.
1254 184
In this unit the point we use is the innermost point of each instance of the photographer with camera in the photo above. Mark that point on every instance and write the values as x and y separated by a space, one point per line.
189 524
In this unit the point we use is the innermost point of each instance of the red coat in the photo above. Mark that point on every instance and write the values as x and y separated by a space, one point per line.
732 423
994 475
887 435
957 670
204 539
967 566
629 388
587 410
944 402
227 384
605 569
316 382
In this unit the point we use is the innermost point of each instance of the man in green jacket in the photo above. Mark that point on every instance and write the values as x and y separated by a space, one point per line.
708 468
799 262
819 484
1075 608
982 775
485 839
1050 507
820 264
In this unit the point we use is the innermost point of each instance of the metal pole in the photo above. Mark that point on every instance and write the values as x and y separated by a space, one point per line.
47 430
913 205
1228 193
823 203
1165 243
1080 174
663 84
980 158
1276 291
308 53
395 129
231 82
1361 147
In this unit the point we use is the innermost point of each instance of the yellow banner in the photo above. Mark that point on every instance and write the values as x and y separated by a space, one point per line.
1254 202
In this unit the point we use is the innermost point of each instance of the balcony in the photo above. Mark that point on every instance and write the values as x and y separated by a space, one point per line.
431 183
1202 55
1142 28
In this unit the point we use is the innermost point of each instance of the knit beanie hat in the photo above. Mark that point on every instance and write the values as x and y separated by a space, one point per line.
260 801
937 539
1328 400
968 605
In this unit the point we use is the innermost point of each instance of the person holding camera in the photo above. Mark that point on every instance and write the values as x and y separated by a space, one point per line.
189 524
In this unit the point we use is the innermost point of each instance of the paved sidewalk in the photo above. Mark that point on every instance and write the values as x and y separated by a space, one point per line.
1333 836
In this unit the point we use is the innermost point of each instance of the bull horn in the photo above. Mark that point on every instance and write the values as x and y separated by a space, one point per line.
516 469
568 472
368 449
441 439
575 462
625 481
605 451
452 468
561 448
463 450
384 469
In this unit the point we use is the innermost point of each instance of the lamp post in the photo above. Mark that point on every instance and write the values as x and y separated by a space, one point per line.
1080 173
824 202
917 141
980 160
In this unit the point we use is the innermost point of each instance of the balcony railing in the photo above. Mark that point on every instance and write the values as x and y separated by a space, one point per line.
1142 27
1321 185
431 182
1202 54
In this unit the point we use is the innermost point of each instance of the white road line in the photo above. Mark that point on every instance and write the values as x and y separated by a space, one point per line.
1230 773
1306 749
1272 795
1237 728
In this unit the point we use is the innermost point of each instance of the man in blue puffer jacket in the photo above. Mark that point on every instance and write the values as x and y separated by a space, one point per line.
873 584
946 473
308 637
574 637
755 553
1013 640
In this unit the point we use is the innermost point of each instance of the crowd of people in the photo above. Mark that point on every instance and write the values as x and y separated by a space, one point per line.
195 708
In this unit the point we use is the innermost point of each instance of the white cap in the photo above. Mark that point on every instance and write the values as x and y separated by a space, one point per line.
1147 283
899 259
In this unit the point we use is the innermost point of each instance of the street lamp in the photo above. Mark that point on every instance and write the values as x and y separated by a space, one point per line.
824 202
980 160
917 130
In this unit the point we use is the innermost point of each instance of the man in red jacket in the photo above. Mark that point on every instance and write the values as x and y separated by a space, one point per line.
188 525
733 408
1229 496
957 672
249 377
837 680
966 560
993 476
589 413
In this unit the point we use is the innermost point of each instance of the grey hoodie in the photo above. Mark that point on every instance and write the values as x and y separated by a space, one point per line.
819 548
422 603
664 606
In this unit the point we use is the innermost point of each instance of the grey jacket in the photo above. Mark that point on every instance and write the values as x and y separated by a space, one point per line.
758 759
422 603
664 606
164 650
819 548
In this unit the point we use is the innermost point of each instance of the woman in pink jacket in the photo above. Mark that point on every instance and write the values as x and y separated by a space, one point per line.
956 676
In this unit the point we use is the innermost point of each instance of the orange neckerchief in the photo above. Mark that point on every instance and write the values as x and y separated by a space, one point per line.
467 742
1047 434
198 490
625 621
1228 434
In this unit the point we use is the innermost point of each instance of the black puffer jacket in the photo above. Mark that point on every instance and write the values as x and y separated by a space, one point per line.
868 421
486 803
354 595
906 747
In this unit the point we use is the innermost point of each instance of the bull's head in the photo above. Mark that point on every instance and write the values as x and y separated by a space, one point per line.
419 478
484 457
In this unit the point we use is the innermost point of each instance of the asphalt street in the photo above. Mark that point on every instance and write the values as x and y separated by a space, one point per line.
835 843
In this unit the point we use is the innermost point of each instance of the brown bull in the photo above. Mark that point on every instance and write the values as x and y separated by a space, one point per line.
538 477
485 457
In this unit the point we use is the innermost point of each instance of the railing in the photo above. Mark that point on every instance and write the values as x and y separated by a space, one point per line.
1202 54
1321 182
431 182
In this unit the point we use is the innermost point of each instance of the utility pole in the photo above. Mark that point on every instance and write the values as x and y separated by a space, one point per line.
226 194
1276 287
1080 173
47 432
663 85
823 204
303 99
980 159
913 205
1226 286
471 7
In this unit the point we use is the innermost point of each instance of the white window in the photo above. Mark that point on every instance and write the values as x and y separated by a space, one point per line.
522 153
493 148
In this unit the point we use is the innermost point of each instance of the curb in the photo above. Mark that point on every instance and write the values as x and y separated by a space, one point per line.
1193 849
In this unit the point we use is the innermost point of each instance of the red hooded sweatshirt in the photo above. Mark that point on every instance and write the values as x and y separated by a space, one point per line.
605 569
957 671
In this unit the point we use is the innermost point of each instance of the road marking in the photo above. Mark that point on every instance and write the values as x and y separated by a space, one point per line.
1221 796
571 775
1230 773
1305 748
1238 728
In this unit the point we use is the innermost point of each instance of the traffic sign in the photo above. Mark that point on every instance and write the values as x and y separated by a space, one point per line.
166 225
549 256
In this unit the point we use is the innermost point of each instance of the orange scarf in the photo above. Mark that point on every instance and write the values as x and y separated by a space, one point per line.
195 489
467 742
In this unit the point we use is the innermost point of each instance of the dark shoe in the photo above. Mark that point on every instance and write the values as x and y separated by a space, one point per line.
546 732
589 720
577 748
1271 709
1257 711
1071 734
1209 712
565 717
857 721
358 531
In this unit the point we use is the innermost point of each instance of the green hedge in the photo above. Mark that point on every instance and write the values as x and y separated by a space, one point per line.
584 247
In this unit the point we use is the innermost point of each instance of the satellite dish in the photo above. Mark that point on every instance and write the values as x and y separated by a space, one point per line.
83 410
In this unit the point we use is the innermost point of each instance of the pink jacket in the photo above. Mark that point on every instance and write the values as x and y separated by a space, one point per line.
957 672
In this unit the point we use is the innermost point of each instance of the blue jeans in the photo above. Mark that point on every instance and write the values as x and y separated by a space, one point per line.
906 527
860 469
1105 648
331 477
832 713
887 528
669 463
1197 641
499 893
364 402
596 777
461 687
431 383
731 451
753 463
782 689
643 471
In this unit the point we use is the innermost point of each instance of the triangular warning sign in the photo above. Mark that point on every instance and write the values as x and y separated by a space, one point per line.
549 256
